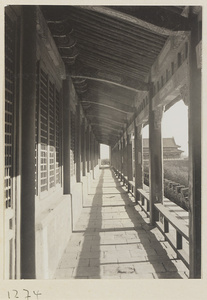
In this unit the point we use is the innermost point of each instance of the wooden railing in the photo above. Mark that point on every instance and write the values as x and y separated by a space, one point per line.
174 230
174 191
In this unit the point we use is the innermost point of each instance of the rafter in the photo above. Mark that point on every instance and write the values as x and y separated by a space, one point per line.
140 19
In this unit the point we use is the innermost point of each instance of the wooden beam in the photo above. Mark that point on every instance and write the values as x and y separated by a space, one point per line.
129 109
109 99
126 107
128 84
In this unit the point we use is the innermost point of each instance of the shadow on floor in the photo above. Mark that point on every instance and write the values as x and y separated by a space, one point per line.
107 236
158 250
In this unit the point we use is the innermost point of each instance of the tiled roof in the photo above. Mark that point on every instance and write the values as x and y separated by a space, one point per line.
167 143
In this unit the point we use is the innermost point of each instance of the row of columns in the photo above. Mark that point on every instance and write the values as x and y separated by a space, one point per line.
86 147
119 161
122 159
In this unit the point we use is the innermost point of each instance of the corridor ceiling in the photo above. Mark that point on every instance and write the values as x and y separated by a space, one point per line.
109 52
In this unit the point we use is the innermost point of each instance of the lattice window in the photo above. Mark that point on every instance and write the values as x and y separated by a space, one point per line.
36 130
43 130
9 108
51 135
49 131
58 136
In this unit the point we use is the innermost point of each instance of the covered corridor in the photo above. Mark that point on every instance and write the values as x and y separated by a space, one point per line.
77 77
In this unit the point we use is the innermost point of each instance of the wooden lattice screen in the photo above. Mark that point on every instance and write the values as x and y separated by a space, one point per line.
10 148
58 136
51 135
43 131
49 130
9 109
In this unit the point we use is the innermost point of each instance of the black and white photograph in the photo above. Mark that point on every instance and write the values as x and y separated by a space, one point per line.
101 143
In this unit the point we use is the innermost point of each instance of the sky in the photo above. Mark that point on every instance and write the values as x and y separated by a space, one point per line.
104 151
174 124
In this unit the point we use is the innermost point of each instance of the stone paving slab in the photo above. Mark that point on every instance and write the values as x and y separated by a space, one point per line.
113 239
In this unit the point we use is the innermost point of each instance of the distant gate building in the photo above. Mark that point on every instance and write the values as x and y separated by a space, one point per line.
170 149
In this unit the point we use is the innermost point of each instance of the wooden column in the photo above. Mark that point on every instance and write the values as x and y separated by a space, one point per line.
96 152
84 147
195 155
112 163
92 153
28 143
88 148
99 155
110 155
129 158
78 143
66 137
122 157
138 158
116 157
94 156
156 161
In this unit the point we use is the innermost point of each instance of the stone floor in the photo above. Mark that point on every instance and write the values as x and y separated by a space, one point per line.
113 239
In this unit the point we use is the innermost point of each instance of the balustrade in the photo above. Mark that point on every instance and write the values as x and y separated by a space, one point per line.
175 231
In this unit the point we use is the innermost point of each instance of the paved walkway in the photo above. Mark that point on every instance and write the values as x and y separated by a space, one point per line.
113 239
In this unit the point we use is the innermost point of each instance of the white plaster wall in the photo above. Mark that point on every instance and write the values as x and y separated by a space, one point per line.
53 230
85 189
77 201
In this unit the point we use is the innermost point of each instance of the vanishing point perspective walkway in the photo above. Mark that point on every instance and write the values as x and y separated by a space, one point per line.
113 239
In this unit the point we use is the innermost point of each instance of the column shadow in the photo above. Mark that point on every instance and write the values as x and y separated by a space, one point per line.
89 258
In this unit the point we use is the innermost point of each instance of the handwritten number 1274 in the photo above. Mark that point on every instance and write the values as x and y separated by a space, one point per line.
15 294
